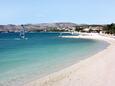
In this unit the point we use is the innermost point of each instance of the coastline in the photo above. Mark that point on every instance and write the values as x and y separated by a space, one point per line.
96 70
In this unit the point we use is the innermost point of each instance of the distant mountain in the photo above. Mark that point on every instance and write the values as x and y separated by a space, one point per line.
38 27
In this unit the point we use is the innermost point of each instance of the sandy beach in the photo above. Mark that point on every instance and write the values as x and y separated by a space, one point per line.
97 70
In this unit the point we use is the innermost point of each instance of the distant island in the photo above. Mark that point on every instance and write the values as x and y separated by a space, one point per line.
60 27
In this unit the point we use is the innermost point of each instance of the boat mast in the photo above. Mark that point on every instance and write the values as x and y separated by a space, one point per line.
22 32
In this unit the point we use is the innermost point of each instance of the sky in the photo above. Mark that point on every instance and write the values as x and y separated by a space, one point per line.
48 11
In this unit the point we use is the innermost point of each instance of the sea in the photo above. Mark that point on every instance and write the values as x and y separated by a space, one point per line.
40 54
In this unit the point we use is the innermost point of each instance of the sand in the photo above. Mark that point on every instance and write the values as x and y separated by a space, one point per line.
97 70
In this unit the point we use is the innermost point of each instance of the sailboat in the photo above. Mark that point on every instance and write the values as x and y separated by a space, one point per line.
60 35
22 32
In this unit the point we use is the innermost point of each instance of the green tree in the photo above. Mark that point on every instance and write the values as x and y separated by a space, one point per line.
110 29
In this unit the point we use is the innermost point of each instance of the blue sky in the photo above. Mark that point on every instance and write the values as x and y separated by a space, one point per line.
40 11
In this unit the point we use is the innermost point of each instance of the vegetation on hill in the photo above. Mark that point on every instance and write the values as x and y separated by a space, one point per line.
110 28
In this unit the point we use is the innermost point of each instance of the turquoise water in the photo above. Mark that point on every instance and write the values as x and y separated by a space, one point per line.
24 60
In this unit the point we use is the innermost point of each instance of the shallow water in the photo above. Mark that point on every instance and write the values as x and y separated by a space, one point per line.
42 53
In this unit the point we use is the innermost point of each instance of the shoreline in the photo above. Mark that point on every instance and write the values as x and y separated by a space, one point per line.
93 71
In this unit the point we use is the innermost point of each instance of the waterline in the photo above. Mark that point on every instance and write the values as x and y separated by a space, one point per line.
43 53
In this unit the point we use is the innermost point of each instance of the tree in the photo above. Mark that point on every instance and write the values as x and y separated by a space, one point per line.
110 28
78 29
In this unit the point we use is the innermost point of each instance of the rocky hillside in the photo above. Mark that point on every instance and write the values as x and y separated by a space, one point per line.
38 27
